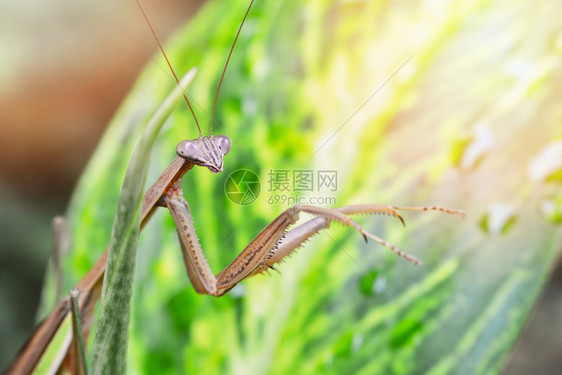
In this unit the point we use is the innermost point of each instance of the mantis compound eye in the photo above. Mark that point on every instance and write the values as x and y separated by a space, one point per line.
224 143
188 150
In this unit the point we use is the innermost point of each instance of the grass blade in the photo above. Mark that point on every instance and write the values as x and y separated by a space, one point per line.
110 344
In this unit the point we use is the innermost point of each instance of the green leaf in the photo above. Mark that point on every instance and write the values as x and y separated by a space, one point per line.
290 100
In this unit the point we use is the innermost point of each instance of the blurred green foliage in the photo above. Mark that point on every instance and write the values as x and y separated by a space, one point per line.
469 100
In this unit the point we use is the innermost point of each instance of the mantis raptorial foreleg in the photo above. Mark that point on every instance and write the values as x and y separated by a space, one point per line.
296 237
273 243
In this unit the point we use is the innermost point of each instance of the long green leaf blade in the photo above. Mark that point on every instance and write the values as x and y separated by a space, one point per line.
110 344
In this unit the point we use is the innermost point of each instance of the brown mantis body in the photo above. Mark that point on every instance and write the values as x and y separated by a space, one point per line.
268 248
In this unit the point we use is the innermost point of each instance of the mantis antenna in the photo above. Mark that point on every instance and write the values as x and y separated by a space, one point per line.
174 73
227 61
169 65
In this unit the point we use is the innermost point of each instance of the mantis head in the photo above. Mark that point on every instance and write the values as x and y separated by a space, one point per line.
205 151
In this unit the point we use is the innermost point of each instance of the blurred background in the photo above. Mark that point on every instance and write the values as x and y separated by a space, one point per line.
64 69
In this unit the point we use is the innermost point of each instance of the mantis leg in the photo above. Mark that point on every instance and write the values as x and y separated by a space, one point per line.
296 237
270 246
251 258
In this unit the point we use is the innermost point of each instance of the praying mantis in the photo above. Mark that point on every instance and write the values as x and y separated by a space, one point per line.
271 246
